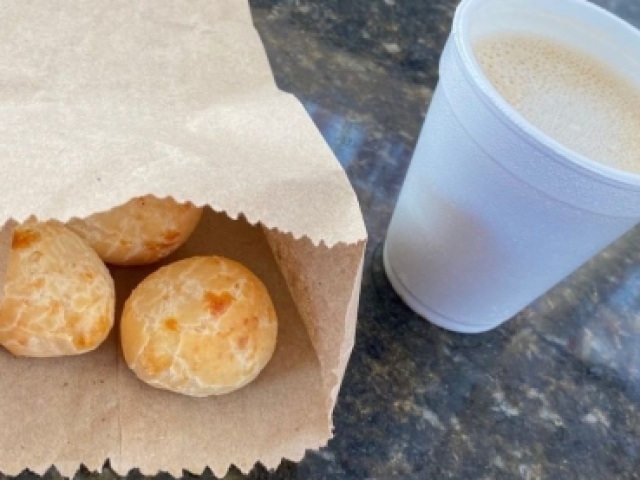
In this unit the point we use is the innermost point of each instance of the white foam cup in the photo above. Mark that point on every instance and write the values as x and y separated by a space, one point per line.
493 212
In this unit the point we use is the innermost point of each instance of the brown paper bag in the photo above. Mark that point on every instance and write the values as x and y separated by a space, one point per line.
105 100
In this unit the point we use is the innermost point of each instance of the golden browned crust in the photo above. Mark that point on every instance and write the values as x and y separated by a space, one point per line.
201 326
58 295
142 231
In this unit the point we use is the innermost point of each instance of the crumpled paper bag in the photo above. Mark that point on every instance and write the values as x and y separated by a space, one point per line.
105 100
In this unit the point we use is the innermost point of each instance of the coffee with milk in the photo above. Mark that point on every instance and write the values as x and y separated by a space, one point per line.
570 95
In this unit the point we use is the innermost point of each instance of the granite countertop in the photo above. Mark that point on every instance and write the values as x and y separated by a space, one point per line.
552 394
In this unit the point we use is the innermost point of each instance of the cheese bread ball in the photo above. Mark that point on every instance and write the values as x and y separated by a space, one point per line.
58 295
200 326
142 231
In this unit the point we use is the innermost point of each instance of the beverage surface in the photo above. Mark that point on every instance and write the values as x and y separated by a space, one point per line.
568 94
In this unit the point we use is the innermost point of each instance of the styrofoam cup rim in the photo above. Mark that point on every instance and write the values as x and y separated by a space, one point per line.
556 150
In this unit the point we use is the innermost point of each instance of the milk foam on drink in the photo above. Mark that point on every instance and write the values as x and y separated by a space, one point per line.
567 94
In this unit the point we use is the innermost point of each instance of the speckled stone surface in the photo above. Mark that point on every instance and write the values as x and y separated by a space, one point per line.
552 394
